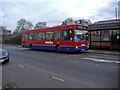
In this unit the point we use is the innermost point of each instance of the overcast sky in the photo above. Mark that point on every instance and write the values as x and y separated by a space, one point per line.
55 11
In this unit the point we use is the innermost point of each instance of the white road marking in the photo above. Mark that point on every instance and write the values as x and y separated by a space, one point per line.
77 62
58 79
106 57
102 60
21 66
117 61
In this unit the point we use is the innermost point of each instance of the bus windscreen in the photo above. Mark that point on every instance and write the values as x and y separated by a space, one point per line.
80 35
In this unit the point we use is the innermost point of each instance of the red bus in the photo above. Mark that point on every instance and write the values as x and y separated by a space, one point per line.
68 38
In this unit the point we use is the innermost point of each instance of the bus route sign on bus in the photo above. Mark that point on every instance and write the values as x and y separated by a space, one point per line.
81 27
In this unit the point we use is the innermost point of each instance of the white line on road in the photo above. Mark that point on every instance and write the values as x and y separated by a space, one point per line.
58 79
117 61
21 66
103 56
101 60
77 62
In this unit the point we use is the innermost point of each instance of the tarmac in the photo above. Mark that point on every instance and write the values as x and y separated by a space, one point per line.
98 51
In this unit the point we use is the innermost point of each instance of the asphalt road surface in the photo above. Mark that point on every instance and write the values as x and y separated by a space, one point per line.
41 69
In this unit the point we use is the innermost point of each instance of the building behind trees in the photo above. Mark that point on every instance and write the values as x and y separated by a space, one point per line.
4 34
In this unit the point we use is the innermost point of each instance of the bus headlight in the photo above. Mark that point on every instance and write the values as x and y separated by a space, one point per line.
82 44
76 46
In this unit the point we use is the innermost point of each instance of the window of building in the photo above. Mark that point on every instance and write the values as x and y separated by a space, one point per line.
95 35
116 31
97 32
116 35
105 35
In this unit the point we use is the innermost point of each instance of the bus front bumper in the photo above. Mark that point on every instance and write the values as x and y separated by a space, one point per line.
82 48
75 49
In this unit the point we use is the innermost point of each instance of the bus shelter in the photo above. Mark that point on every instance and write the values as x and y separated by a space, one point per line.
105 35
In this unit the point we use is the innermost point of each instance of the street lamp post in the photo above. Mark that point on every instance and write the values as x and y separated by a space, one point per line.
116 13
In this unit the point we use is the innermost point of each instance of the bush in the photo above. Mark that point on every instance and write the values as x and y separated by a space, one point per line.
14 40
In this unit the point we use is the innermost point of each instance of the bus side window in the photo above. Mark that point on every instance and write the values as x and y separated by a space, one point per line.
50 35
67 35
58 35
24 36
36 35
31 36
28 36
41 35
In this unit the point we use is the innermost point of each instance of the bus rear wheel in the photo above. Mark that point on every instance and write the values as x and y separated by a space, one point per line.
57 49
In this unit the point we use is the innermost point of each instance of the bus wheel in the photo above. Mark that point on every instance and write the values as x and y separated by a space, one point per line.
57 49
30 46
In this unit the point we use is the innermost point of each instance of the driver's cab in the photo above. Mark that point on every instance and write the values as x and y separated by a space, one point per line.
80 35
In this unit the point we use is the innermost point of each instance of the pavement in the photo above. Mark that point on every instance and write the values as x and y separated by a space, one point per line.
104 52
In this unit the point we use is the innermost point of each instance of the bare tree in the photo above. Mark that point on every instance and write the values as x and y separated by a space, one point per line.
28 25
69 21
23 24
40 25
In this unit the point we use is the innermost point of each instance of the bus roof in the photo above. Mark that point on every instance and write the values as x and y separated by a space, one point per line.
73 26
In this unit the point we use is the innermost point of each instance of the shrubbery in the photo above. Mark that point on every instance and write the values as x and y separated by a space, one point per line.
14 40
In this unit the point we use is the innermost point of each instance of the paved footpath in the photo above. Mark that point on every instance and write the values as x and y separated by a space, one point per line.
104 52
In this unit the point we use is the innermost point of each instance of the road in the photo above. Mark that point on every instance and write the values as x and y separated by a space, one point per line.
41 69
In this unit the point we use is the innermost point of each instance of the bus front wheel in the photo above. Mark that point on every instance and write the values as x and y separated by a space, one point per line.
58 49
